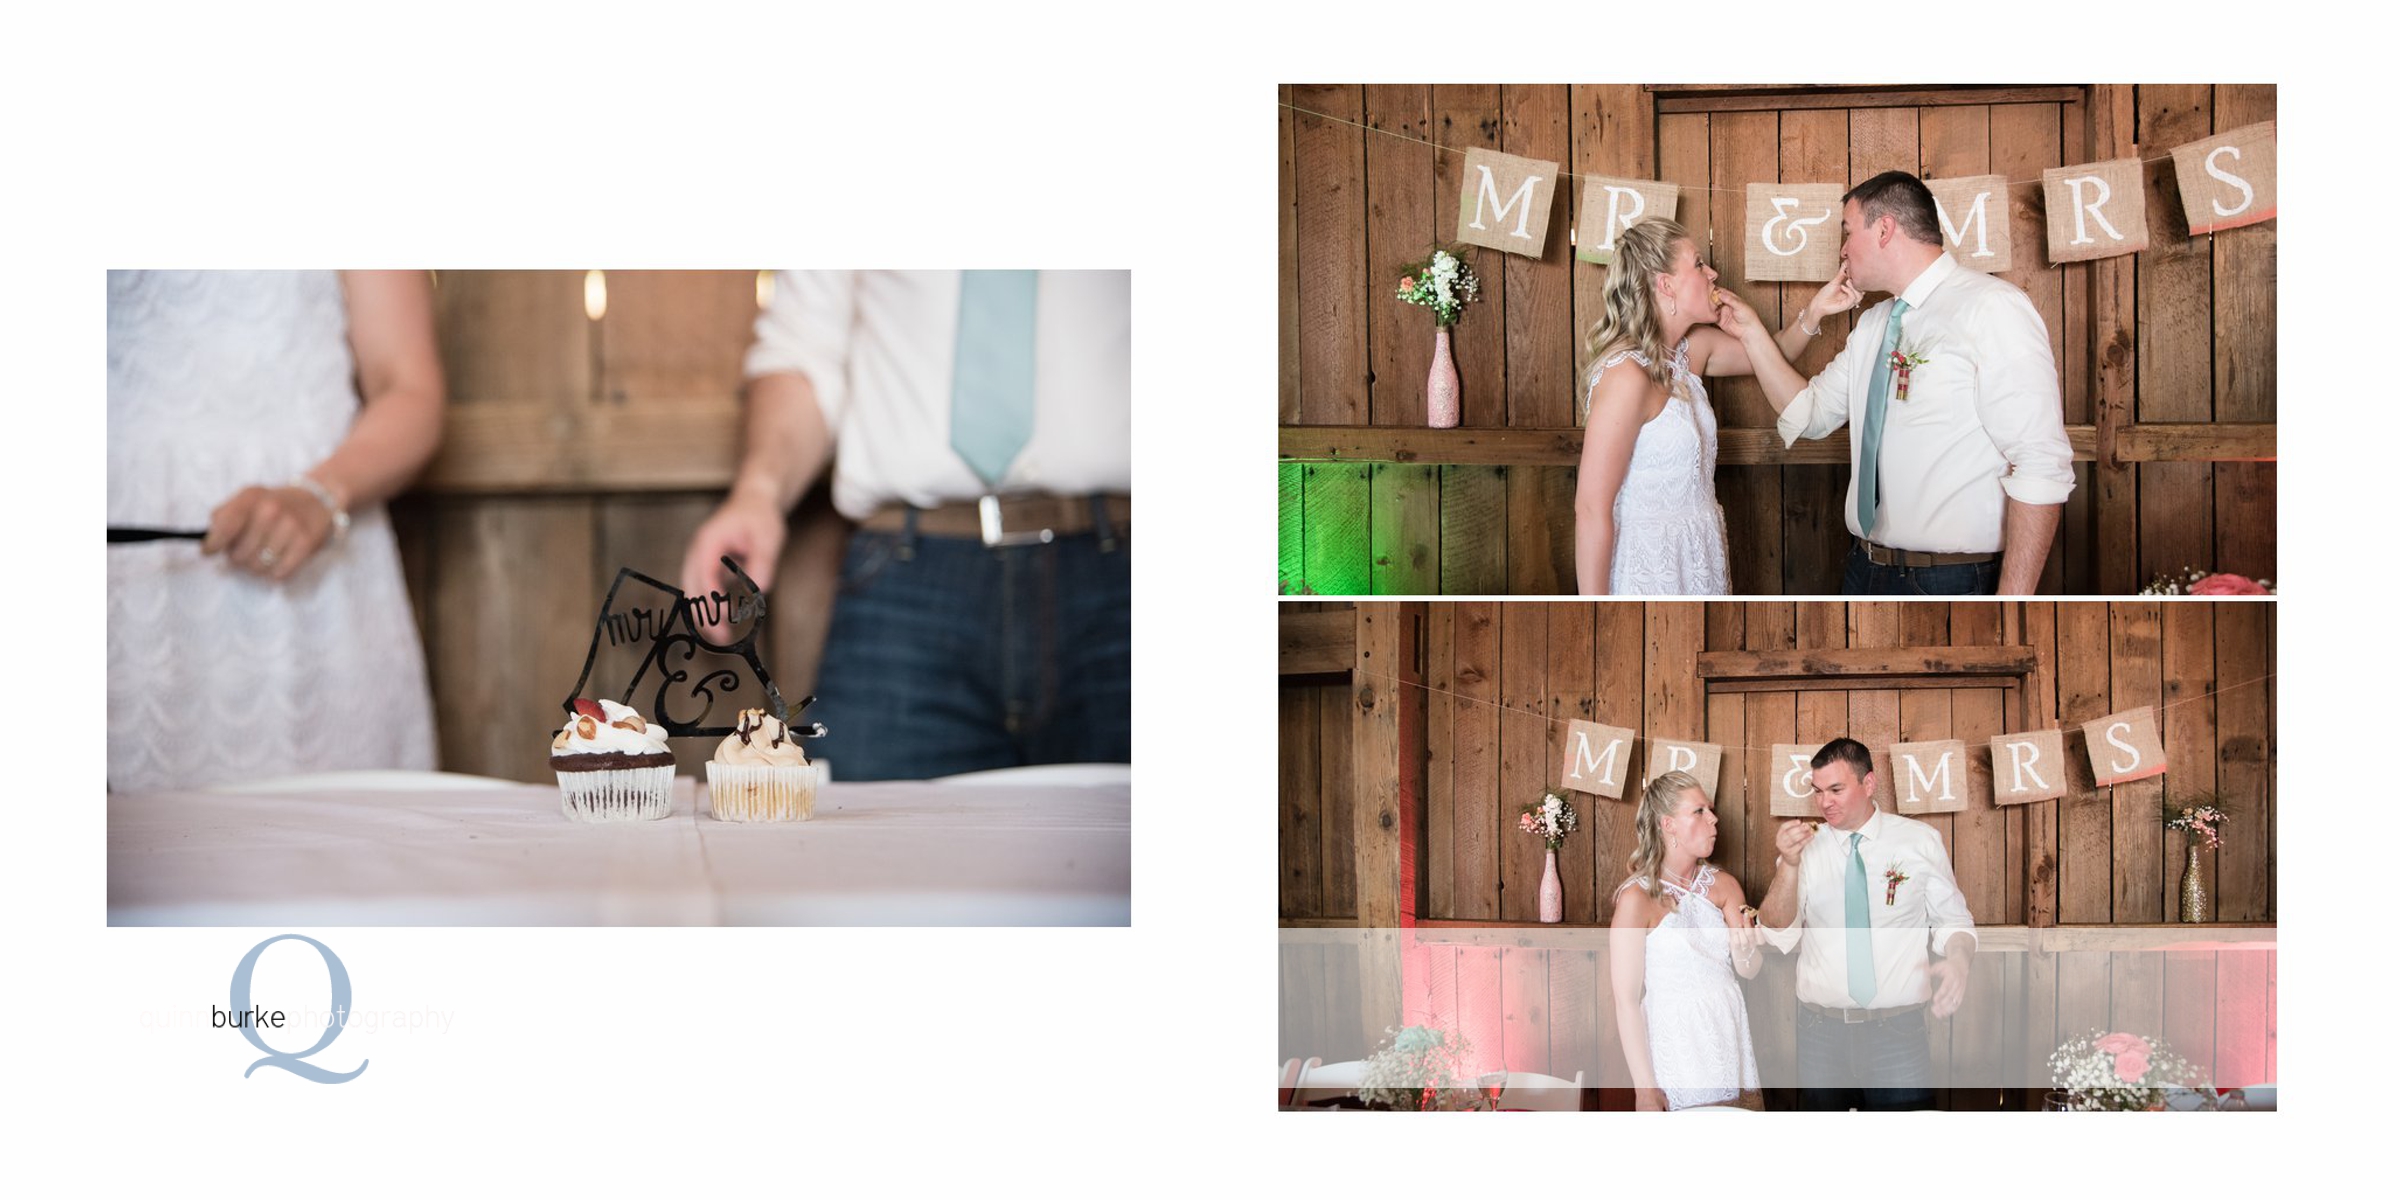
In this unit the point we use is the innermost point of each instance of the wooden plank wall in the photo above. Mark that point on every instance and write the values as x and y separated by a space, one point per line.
574 447
1504 677
2191 323
1316 866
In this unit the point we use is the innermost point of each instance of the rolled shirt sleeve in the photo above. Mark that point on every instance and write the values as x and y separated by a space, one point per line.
1824 405
2017 399
805 328
1946 912
1785 940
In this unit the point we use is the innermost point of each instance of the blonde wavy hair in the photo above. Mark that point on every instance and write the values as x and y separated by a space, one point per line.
1649 842
1629 308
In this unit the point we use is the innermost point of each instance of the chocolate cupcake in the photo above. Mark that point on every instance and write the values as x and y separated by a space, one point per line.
612 765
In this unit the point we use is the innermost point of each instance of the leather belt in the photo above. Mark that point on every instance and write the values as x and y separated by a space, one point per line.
1010 520
1859 1016
1886 556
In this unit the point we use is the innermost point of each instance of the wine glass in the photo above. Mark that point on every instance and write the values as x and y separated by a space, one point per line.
1493 1083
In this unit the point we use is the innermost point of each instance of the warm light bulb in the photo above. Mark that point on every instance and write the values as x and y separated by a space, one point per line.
595 294
766 288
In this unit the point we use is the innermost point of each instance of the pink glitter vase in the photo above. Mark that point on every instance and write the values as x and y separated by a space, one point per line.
1441 384
1553 904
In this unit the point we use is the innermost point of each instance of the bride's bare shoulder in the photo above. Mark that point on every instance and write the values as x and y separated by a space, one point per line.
1633 904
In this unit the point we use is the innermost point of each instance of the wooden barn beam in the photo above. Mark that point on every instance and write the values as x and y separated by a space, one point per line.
1787 98
1813 664
1381 675
1316 643
1528 447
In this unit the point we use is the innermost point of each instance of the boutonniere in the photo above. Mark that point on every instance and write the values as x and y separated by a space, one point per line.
1892 879
1902 364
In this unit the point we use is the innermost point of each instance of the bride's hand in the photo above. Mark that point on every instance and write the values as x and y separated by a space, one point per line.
1649 1100
1733 315
1838 295
1742 934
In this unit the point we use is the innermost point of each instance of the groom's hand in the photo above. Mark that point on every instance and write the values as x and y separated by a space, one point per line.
1949 986
1792 839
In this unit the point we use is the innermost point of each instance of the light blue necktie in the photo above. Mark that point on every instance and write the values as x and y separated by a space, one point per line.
1862 939
991 390
1870 435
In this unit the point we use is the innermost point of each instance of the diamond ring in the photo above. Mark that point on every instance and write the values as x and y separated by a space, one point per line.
266 557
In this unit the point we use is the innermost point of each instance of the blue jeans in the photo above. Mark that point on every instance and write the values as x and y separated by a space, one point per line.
1863 578
946 655
1873 1065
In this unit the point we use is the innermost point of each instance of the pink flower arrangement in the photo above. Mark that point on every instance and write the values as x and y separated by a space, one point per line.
1551 817
2225 585
2132 1055
2119 1072
2192 581
2199 821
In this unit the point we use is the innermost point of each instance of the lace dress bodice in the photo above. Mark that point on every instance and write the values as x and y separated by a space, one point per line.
1700 1050
1670 529
218 380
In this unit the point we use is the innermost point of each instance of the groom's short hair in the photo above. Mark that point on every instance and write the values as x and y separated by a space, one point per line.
1904 198
1845 750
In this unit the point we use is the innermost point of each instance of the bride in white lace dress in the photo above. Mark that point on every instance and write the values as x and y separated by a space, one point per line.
1678 940
1647 520
264 407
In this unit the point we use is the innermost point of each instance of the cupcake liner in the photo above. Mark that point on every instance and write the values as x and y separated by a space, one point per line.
755 793
633 794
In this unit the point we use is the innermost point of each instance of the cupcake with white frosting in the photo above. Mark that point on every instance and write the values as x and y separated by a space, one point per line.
760 773
612 765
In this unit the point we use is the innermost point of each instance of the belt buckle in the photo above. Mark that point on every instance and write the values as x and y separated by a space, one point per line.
994 534
1857 1016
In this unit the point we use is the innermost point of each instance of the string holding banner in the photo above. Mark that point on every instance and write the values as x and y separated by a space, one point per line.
2094 210
1597 757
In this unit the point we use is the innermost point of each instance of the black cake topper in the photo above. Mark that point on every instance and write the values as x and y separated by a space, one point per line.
672 633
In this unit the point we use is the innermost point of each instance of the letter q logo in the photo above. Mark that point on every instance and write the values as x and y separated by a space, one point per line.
338 1013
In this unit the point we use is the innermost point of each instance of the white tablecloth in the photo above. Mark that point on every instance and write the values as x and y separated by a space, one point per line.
985 851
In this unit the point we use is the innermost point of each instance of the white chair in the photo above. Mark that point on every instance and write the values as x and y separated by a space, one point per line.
1533 1092
1321 1080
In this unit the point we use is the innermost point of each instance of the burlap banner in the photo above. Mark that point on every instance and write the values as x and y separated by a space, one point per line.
1611 206
1505 202
2029 766
2228 181
1910 777
1700 760
1596 758
1930 776
1794 232
1789 791
2095 210
1974 215
2124 747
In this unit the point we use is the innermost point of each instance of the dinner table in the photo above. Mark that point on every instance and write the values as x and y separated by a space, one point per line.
1018 847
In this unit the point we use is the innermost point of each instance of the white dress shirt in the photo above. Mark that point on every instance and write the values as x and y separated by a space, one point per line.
879 346
1981 423
1924 912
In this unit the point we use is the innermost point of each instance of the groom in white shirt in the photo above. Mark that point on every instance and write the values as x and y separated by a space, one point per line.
1959 460
1873 896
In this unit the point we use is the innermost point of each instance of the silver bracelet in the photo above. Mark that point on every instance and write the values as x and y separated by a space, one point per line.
324 495
1811 332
